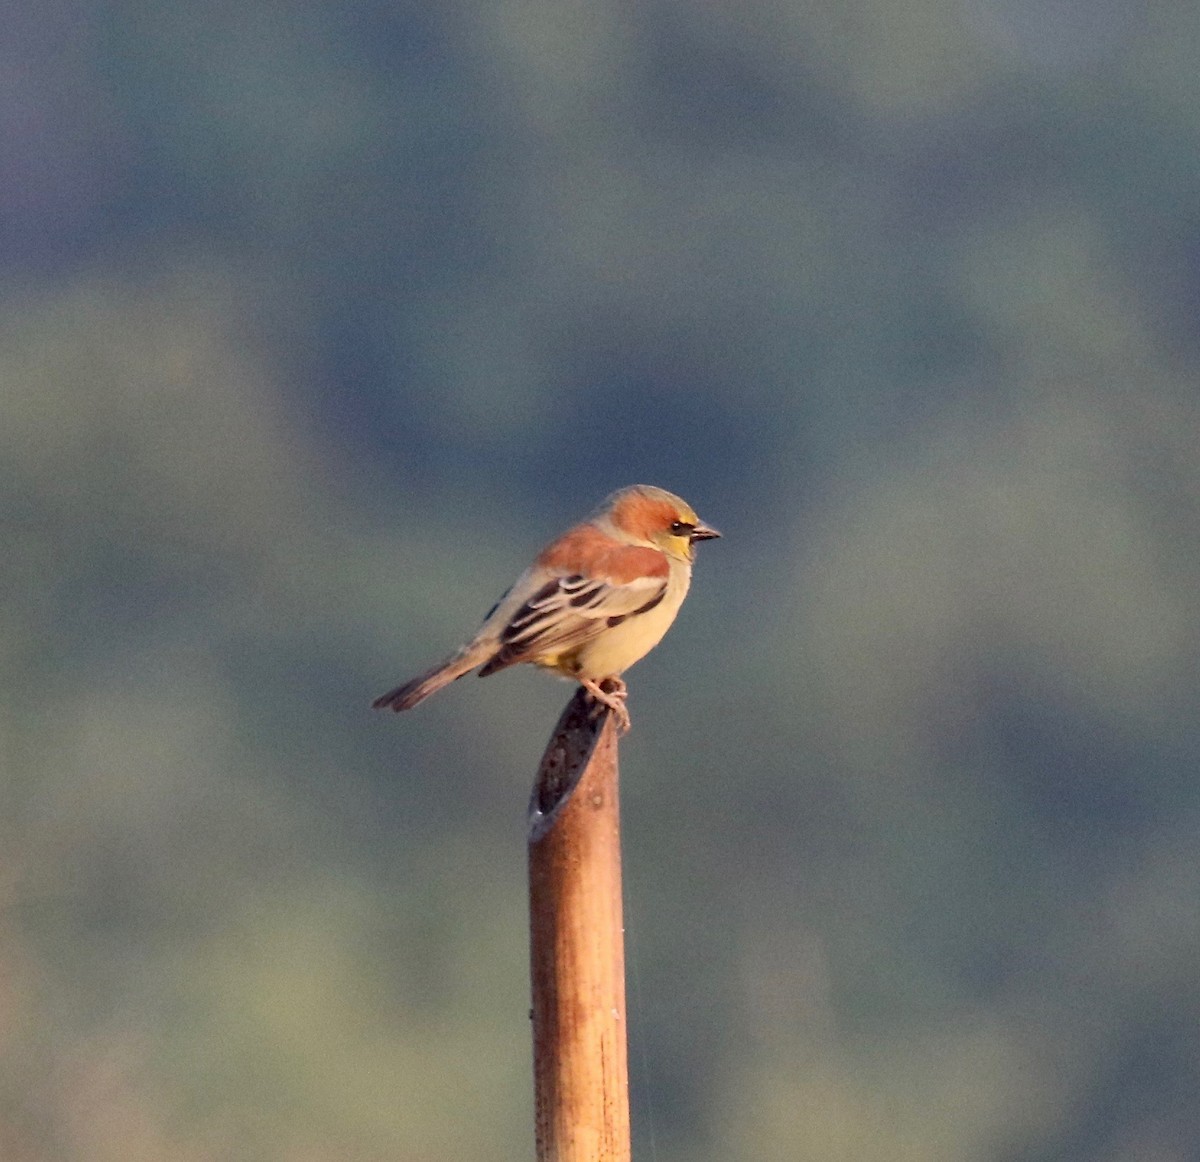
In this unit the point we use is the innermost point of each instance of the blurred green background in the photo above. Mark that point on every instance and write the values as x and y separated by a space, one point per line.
318 318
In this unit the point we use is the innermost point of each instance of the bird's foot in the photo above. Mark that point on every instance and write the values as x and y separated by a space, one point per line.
610 692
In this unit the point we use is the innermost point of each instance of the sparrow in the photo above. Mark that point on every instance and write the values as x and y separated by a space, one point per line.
593 602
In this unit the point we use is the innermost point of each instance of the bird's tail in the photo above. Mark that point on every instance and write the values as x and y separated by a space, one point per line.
407 696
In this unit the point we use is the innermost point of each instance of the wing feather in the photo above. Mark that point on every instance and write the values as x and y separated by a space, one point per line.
571 609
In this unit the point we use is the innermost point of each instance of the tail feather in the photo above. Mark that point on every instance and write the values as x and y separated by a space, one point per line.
407 696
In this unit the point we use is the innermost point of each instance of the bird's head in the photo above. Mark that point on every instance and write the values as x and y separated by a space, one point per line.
645 515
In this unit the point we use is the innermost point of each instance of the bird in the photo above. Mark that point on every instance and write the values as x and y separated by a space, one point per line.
595 600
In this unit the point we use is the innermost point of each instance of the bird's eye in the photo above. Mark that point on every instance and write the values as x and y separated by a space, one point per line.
681 528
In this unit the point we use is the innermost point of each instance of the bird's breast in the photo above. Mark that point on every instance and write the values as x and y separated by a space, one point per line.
619 646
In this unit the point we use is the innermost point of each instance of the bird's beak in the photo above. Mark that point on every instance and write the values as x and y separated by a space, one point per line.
703 532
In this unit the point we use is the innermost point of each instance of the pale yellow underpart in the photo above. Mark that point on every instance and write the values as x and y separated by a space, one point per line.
616 649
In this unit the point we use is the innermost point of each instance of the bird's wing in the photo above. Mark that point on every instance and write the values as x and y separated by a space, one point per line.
566 609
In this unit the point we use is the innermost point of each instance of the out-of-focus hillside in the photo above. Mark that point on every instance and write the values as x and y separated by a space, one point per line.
316 319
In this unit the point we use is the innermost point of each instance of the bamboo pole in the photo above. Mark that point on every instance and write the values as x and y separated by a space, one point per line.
577 950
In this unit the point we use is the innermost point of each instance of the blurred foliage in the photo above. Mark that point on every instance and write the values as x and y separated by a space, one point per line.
318 317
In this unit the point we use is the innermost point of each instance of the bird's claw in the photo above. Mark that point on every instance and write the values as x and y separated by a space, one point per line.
610 693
